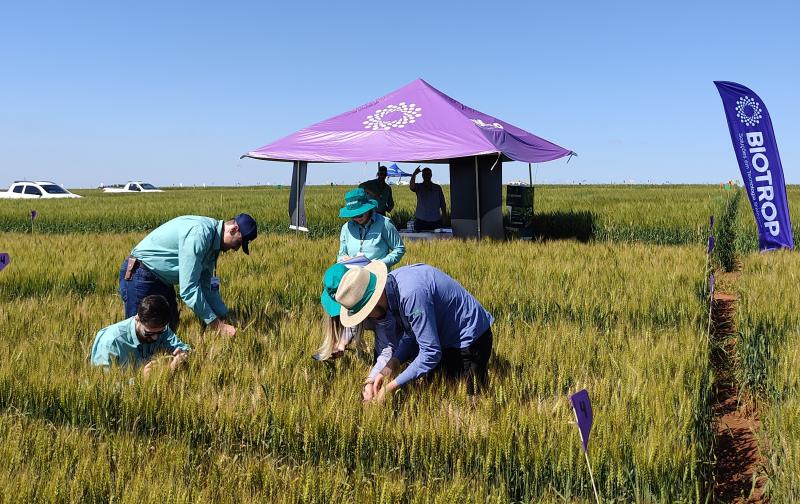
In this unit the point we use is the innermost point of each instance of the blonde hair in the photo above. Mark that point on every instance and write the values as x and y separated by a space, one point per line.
332 331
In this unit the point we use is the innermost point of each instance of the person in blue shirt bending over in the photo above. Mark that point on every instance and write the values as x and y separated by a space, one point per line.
443 326
366 236
136 340
184 251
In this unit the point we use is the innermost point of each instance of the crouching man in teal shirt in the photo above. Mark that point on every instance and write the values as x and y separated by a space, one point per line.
135 340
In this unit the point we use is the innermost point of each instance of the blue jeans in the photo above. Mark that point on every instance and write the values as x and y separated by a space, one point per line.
142 284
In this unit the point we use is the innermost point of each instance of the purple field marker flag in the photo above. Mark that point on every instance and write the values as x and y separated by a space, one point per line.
583 413
757 153
711 243
711 222
33 215
711 282
5 260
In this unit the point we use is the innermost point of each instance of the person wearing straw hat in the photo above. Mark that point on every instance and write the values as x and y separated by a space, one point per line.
366 236
378 189
443 326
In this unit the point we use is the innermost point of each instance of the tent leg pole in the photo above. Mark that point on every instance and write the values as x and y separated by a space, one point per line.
530 176
477 198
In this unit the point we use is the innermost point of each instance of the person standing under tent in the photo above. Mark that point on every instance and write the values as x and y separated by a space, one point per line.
184 251
431 212
380 191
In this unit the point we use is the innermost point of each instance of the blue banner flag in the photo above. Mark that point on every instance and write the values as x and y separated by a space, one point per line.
757 152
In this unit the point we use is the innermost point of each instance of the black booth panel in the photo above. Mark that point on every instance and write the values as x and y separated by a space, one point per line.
463 209
297 195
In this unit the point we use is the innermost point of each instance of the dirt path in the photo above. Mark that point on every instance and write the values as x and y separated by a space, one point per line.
737 472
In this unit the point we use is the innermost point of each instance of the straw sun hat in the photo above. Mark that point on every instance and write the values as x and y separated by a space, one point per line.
353 293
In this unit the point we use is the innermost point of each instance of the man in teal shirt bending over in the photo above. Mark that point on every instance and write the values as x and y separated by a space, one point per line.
184 251
135 340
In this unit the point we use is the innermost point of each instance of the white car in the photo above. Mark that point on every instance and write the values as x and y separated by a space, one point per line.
133 187
25 189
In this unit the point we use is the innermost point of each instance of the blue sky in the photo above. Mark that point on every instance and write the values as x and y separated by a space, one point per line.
174 92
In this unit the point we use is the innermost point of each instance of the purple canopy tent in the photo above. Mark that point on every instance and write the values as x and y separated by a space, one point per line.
419 123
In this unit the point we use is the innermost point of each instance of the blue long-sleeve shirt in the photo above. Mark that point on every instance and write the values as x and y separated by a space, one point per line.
119 343
184 251
436 312
378 239
386 339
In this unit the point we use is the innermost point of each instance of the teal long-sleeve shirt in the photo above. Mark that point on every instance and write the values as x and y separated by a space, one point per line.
378 239
119 343
184 251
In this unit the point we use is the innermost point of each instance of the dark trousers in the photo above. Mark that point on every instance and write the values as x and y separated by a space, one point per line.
142 284
423 225
469 363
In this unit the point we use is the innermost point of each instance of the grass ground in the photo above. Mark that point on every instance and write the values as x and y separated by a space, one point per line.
619 309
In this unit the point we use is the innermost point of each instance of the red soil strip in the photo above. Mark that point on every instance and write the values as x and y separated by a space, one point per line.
738 458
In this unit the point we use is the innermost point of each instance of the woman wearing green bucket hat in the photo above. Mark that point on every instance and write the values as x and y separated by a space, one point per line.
336 335
367 233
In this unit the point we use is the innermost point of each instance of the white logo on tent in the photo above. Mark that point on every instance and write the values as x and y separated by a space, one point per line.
748 111
379 121
482 124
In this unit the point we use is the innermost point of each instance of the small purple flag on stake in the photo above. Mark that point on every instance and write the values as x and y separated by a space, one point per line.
711 281
712 222
5 260
583 413
33 214
710 245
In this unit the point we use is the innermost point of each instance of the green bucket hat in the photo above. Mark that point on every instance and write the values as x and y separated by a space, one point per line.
330 283
356 202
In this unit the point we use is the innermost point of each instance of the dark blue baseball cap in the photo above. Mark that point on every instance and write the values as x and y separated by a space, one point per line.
248 228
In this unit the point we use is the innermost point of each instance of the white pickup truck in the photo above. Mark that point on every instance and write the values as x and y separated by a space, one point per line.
133 187
26 189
